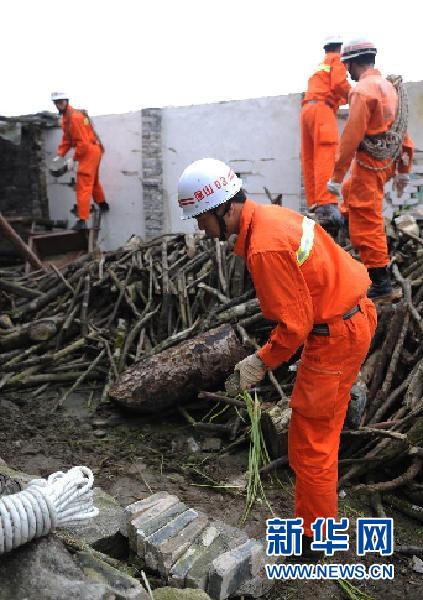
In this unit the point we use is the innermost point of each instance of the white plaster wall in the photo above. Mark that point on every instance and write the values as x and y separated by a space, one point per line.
120 174
415 107
259 138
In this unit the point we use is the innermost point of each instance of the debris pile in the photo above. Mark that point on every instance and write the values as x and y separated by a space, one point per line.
102 321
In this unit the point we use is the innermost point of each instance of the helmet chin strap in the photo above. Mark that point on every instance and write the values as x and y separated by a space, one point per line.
221 221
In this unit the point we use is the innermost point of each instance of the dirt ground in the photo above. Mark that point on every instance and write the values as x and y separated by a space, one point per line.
132 456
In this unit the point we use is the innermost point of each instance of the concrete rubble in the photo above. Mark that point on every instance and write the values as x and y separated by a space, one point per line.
188 549
196 556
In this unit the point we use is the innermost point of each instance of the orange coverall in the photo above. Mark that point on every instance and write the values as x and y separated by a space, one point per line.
327 89
78 133
324 287
373 105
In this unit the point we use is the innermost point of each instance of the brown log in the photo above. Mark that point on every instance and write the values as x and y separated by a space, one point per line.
38 331
176 374
213 397
19 244
412 510
274 464
409 550
18 290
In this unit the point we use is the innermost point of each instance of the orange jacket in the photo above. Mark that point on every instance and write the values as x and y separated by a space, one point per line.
373 106
329 82
325 286
78 133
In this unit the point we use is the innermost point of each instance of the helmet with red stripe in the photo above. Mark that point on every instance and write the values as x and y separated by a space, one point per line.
204 185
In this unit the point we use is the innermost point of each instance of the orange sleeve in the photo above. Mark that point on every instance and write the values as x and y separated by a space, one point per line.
77 138
284 297
354 132
65 144
338 82
406 165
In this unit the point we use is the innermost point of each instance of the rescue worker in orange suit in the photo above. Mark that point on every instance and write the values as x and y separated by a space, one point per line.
373 109
79 133
327 89
316 292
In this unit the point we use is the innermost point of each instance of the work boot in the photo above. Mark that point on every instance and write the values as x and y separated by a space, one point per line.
103 206
80 224
381 283
74 209
307 553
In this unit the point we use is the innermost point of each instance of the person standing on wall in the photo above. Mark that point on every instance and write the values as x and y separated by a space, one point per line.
376 145
79 133
327 89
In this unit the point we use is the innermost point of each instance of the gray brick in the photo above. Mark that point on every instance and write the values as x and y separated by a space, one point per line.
181 567
152 552
153 525
231 569
173 548
135 509
228 538
150 513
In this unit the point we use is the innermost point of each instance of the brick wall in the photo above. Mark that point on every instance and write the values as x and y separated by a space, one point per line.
152 172
22 181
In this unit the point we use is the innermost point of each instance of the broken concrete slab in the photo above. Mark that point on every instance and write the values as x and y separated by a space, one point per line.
122 585
45 569
255 587
22 478
103 532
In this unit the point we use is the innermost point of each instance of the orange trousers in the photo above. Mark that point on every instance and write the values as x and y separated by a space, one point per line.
329 367
88 183
363 205
319 141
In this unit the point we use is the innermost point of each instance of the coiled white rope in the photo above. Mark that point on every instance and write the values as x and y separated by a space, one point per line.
62 500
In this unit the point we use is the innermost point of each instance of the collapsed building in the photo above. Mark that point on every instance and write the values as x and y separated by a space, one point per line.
92 323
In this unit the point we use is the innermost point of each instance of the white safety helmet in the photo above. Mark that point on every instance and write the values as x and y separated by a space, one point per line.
357 47
204 185
332 39
59 96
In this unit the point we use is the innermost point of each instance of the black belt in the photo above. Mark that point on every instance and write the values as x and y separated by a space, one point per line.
317 102
323 328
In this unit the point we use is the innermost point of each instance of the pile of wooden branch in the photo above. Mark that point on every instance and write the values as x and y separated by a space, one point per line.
99 316
96 317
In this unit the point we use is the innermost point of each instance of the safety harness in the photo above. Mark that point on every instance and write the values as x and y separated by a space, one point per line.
89 122
387 146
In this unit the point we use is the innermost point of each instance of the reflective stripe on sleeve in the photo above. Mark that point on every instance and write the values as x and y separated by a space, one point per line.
307 239
323 67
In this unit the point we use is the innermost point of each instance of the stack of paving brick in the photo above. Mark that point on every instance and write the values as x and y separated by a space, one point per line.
188 549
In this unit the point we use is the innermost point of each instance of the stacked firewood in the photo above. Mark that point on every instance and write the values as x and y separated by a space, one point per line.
97 316
101 317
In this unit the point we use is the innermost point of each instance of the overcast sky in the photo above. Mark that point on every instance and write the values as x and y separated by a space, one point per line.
114 57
